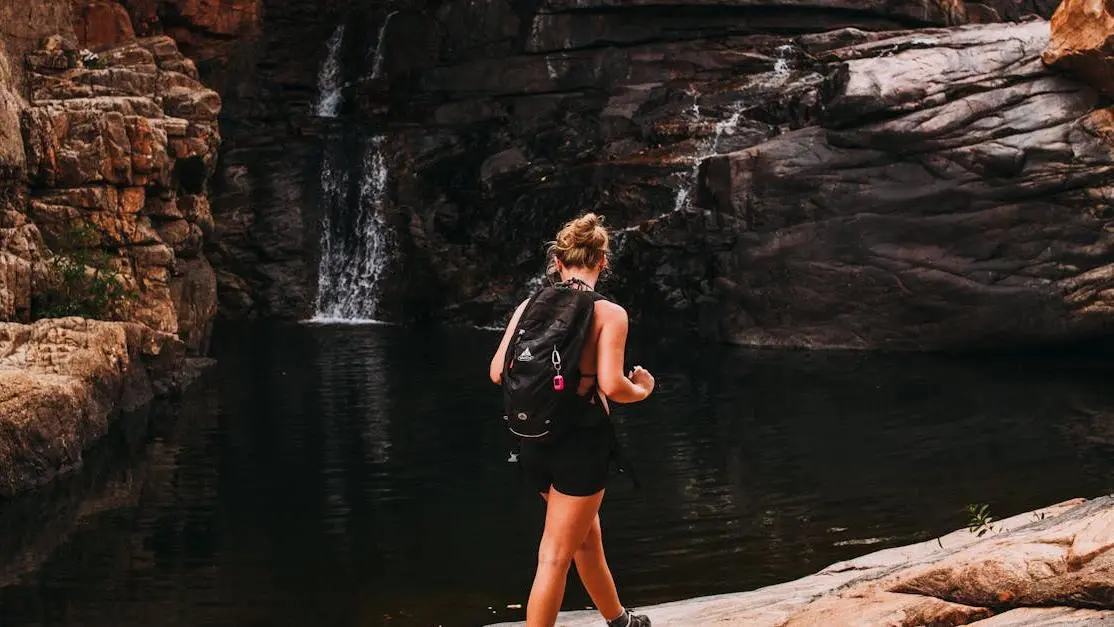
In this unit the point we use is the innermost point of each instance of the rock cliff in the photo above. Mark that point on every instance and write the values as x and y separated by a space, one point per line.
118 145
489 123
481 126
954 195
820 175
121 144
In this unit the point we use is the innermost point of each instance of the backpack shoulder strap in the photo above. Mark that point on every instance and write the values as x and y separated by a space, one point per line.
514 331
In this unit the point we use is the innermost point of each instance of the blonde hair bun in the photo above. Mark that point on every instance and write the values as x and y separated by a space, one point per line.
582 242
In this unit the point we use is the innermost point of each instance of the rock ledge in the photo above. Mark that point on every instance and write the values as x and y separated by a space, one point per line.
1052 566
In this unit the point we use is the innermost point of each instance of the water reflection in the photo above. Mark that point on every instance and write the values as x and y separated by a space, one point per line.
357 476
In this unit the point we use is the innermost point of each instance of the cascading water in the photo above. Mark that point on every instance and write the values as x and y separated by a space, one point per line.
354 240
377 62
330 92
709 148
782 67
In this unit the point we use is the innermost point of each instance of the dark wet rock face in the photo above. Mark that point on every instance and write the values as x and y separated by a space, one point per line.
812 174
815 173
955 196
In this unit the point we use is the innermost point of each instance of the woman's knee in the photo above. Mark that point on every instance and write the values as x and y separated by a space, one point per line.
594 540
556 553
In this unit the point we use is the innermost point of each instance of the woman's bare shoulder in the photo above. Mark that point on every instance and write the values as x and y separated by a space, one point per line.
608 311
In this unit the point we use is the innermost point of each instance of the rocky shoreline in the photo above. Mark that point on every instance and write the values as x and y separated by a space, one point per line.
1051 566
105 155
64 381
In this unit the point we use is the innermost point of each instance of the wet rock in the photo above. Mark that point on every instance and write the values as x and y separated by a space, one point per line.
61 383
1083 42
960 204
909 11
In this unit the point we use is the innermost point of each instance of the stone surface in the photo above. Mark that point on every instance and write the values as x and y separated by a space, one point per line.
206 30
20 242
62 381
878 589
109 149
956 196
1083 41
508 122
12 160
101 23
27 22
438 71
502 119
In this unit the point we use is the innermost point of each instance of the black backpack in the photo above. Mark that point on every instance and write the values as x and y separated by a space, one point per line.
541 371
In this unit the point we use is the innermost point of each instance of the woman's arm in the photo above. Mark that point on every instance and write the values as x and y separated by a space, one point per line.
495 371
610 353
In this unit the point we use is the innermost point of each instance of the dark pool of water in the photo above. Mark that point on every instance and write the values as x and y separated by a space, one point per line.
356 476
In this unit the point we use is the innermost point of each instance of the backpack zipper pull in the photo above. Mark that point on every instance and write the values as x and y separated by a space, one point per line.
558 381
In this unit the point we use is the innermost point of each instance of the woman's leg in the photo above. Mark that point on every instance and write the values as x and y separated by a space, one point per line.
591 565
567 522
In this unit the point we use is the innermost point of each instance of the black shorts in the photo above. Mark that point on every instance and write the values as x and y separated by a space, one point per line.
577 464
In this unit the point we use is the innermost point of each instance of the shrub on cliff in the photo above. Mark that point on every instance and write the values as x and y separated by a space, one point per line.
81 282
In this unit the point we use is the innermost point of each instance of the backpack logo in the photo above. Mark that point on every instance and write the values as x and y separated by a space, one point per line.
526 355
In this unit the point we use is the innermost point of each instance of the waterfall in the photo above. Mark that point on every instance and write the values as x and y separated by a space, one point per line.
354 239
782 65
707 149
329 86
377 63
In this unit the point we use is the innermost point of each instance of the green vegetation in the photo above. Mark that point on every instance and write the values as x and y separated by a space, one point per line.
981 520
81 282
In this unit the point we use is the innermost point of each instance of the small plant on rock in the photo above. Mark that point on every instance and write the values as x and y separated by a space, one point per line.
981 520
81 282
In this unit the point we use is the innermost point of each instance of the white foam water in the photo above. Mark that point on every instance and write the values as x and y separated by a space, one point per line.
782 67
330 90
707 149
352 265
377 62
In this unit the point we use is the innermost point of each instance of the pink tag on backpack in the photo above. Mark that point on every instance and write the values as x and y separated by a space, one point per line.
558 383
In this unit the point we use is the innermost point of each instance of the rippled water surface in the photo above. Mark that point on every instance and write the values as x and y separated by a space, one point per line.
356 476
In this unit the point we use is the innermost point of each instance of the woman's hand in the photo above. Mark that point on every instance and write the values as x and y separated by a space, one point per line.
642 379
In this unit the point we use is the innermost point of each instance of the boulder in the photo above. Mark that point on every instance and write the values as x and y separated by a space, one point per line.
62 381
1083 42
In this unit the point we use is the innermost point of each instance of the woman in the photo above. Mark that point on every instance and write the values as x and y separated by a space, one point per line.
570 473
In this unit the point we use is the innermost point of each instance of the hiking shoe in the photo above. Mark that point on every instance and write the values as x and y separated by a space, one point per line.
630 620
